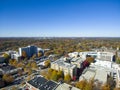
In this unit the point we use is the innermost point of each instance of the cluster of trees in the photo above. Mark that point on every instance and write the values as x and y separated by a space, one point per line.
56 75
8 78
59 46
92 85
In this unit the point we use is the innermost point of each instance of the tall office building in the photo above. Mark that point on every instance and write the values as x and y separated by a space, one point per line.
30 50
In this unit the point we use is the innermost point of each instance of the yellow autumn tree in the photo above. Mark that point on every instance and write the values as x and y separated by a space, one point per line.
67 78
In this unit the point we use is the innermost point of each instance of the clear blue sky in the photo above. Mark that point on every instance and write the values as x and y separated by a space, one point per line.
60 18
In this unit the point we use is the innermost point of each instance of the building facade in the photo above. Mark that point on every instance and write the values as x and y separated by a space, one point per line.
29 50
67 68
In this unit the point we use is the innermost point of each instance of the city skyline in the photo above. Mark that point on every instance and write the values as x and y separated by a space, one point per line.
59 18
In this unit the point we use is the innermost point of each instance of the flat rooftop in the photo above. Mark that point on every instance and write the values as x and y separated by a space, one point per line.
61 62
7 68
65 86
42 83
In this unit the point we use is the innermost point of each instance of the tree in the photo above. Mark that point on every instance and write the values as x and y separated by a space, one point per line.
67 78
7 57
60 74
90 59
88 86
15 63
40 54
81 85
105 87
14 88
50 71
118 60
34 56
47 63
34 65
54 75
20 64
8 78
24 54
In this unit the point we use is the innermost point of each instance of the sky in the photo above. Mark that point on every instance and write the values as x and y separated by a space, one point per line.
59 18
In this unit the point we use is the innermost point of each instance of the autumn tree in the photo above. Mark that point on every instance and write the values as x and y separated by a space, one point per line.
24 54
60 74
34 56
54 75
33 65
90 59
105 87
7 57
47 63
81 84
50 71
8 78
40 54
67 78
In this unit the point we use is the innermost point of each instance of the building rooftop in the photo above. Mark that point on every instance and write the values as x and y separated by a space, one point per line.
88 74
42 83
65 86
7 68
61 62
101 76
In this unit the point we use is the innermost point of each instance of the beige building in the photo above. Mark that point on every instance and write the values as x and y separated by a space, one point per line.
65 86
67 68
118 79
77 61
99 75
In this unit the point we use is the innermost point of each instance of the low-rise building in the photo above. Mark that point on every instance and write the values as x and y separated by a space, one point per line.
16 56
40 83
77 61
101 55
118 79
65 86
9 70
99 75
106 64
67 68
73 54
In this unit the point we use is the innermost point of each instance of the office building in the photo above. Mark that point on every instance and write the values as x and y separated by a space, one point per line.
67 68
29 50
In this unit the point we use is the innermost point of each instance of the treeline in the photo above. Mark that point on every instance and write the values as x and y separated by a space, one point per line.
59 45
